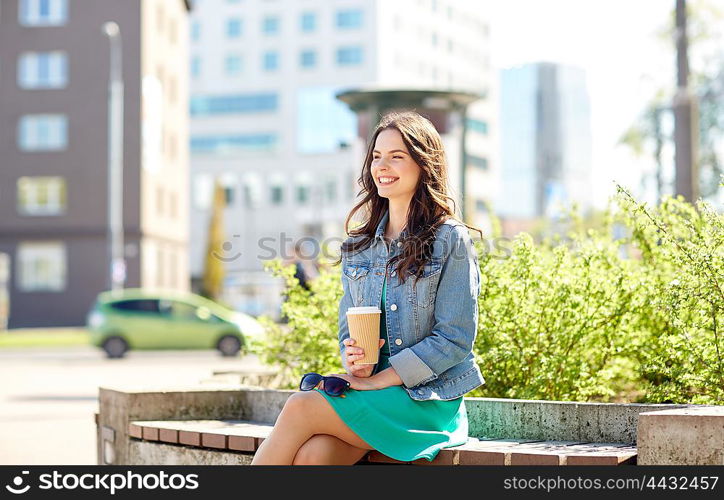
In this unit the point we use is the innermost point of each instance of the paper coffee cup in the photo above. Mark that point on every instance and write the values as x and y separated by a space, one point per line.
364 328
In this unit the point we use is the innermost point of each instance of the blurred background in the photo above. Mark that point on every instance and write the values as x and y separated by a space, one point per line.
163 150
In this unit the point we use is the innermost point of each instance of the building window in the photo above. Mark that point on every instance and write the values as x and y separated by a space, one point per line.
478 126
41 266
233 144
302 194
477 162
271 61
43 12
349 19
232 65
324 123
349 56
331 190
233 104
195 31
195 66
277 195
41 196
42 70
308 22
233 28
308 58
228 196
252 190
203 191
270 25
42 132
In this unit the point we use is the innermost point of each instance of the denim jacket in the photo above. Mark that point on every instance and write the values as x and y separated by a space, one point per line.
431 327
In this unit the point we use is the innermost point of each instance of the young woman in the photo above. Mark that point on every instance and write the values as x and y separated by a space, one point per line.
414 260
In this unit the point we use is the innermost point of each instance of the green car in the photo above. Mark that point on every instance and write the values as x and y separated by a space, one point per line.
135 318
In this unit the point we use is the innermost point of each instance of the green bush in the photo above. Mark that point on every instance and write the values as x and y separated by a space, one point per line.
583 315
681 309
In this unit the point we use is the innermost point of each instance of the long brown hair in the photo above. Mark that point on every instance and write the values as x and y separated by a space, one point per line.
429 206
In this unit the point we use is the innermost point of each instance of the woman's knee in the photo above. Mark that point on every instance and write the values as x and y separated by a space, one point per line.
318 450
300 404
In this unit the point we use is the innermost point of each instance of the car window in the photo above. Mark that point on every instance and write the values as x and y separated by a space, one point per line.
183 310
137 305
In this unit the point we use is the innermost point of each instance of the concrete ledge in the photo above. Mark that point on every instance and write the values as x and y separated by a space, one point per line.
557 420
489 418
691 436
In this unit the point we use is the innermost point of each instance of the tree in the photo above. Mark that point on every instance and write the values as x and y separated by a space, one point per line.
213 277
707 71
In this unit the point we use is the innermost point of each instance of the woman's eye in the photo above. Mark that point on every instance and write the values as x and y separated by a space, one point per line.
397 157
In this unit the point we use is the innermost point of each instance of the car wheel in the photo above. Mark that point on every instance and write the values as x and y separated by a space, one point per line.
115 347
229 345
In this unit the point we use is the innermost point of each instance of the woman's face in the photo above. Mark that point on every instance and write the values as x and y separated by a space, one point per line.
391 161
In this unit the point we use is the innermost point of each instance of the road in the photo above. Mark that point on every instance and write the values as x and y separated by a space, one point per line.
48 397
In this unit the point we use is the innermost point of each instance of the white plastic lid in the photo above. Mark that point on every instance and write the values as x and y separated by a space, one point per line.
364 310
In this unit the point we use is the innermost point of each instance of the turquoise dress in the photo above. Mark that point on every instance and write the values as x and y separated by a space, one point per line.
396 425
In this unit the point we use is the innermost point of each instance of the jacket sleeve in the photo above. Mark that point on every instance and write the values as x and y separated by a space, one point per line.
344 304
455 317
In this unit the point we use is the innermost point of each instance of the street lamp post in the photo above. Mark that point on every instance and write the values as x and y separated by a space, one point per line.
115 159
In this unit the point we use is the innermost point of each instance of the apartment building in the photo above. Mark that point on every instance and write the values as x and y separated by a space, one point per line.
54 73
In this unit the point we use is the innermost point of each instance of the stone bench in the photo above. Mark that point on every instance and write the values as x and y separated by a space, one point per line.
236 436
224 424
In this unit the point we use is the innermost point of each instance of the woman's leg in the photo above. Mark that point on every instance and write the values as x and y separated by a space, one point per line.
323 449
304 415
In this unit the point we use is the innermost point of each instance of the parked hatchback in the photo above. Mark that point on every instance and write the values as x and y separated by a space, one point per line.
135 318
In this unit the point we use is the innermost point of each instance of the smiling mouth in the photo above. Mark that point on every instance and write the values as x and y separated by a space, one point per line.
386 183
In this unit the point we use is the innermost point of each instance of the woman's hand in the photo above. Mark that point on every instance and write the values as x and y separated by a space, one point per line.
352 354
360 383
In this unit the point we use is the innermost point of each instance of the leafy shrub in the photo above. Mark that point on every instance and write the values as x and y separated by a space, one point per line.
584 315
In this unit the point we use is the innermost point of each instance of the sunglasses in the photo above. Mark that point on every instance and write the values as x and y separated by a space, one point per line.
333 386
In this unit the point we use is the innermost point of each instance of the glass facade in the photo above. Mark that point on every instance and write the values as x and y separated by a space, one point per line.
233 104
224 144
324 123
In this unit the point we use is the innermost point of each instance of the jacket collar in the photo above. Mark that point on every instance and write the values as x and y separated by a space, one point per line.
380 231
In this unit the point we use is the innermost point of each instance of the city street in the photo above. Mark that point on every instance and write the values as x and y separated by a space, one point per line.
48 397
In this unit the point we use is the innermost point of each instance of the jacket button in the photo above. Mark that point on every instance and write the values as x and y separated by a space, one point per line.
398 342
399 243
393 307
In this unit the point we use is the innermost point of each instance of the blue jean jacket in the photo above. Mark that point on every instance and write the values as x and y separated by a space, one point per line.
431 326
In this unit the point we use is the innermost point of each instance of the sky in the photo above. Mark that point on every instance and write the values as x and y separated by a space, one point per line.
615 42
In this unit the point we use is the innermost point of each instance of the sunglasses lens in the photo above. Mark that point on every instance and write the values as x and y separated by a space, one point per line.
309 381
335 386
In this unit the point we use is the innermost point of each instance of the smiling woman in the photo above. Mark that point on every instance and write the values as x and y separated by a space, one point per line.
414 260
